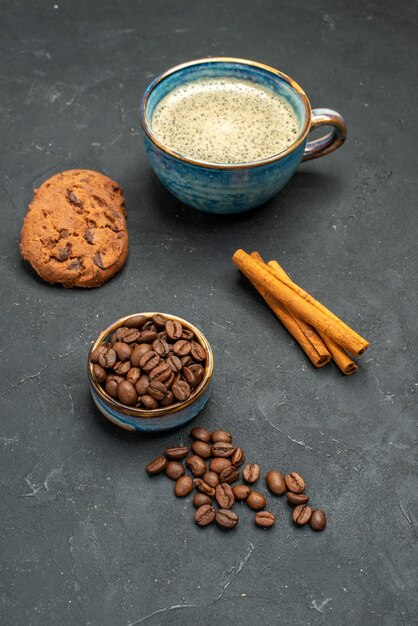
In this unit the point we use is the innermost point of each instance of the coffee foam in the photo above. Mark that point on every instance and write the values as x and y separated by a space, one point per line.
225 120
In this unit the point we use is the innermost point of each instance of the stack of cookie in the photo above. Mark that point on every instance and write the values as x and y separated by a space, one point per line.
74 232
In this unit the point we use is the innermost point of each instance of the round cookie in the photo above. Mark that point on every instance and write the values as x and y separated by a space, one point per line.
74 232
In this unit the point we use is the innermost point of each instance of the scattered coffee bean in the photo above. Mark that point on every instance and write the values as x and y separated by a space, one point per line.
183 486
251 473
200 499
301 514
135 321
174 470
224 496
241 492
223 449
204 487
226 518
295 482
141 353
229 475
256 501
275 482
175 454
99 373
201 449
297 498
221 435
157 465
196 465
200 434
127 393
264 519
318 520
204 515
218 465
238 457
211 478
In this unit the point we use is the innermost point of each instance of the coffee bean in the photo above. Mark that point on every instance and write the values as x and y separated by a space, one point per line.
169 399
123 350
136 321
211 478
238 457
186 360
187 334
201 434
172 378
175 454
148 402
200 499
133 375
301 514
197 371
149 325
121 332
295 482
256 501
183 486
251 473
94 354
174 470
174 329
122 367
159 320
157 465
203 487
182 347
264 519
111 386
201 449
149 361
241 492
224 496
226 518
218 465
197 351
157 390
223 449
127 393
160 347
275 482
138 352
162 335
174 363
113 339
107 358
318 520
196 464
297 498
181 390
142 385
229 475
190 377
131 335
221 435
161 372
99 373
147 336
204 515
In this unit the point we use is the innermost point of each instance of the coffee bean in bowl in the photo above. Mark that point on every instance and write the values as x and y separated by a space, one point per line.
151 372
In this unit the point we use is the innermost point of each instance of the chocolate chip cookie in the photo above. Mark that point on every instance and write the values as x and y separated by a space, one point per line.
75 232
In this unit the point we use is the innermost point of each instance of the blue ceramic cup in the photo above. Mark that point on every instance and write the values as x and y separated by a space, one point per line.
233 188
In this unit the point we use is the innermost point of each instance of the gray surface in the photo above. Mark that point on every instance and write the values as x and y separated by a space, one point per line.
88 538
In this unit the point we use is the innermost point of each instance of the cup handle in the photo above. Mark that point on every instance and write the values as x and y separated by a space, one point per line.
329 142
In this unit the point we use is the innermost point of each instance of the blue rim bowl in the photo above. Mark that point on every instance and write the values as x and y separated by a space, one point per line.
156 420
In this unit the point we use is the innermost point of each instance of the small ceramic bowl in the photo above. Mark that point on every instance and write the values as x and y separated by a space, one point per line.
165 418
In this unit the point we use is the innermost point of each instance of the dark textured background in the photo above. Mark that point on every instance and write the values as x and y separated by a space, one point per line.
88 538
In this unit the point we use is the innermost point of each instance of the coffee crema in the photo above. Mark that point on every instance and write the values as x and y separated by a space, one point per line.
225 120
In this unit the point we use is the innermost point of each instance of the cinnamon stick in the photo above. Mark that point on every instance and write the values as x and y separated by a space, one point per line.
308 339
331 326
339 356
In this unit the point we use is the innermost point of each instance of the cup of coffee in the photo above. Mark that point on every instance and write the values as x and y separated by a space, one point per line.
224 135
